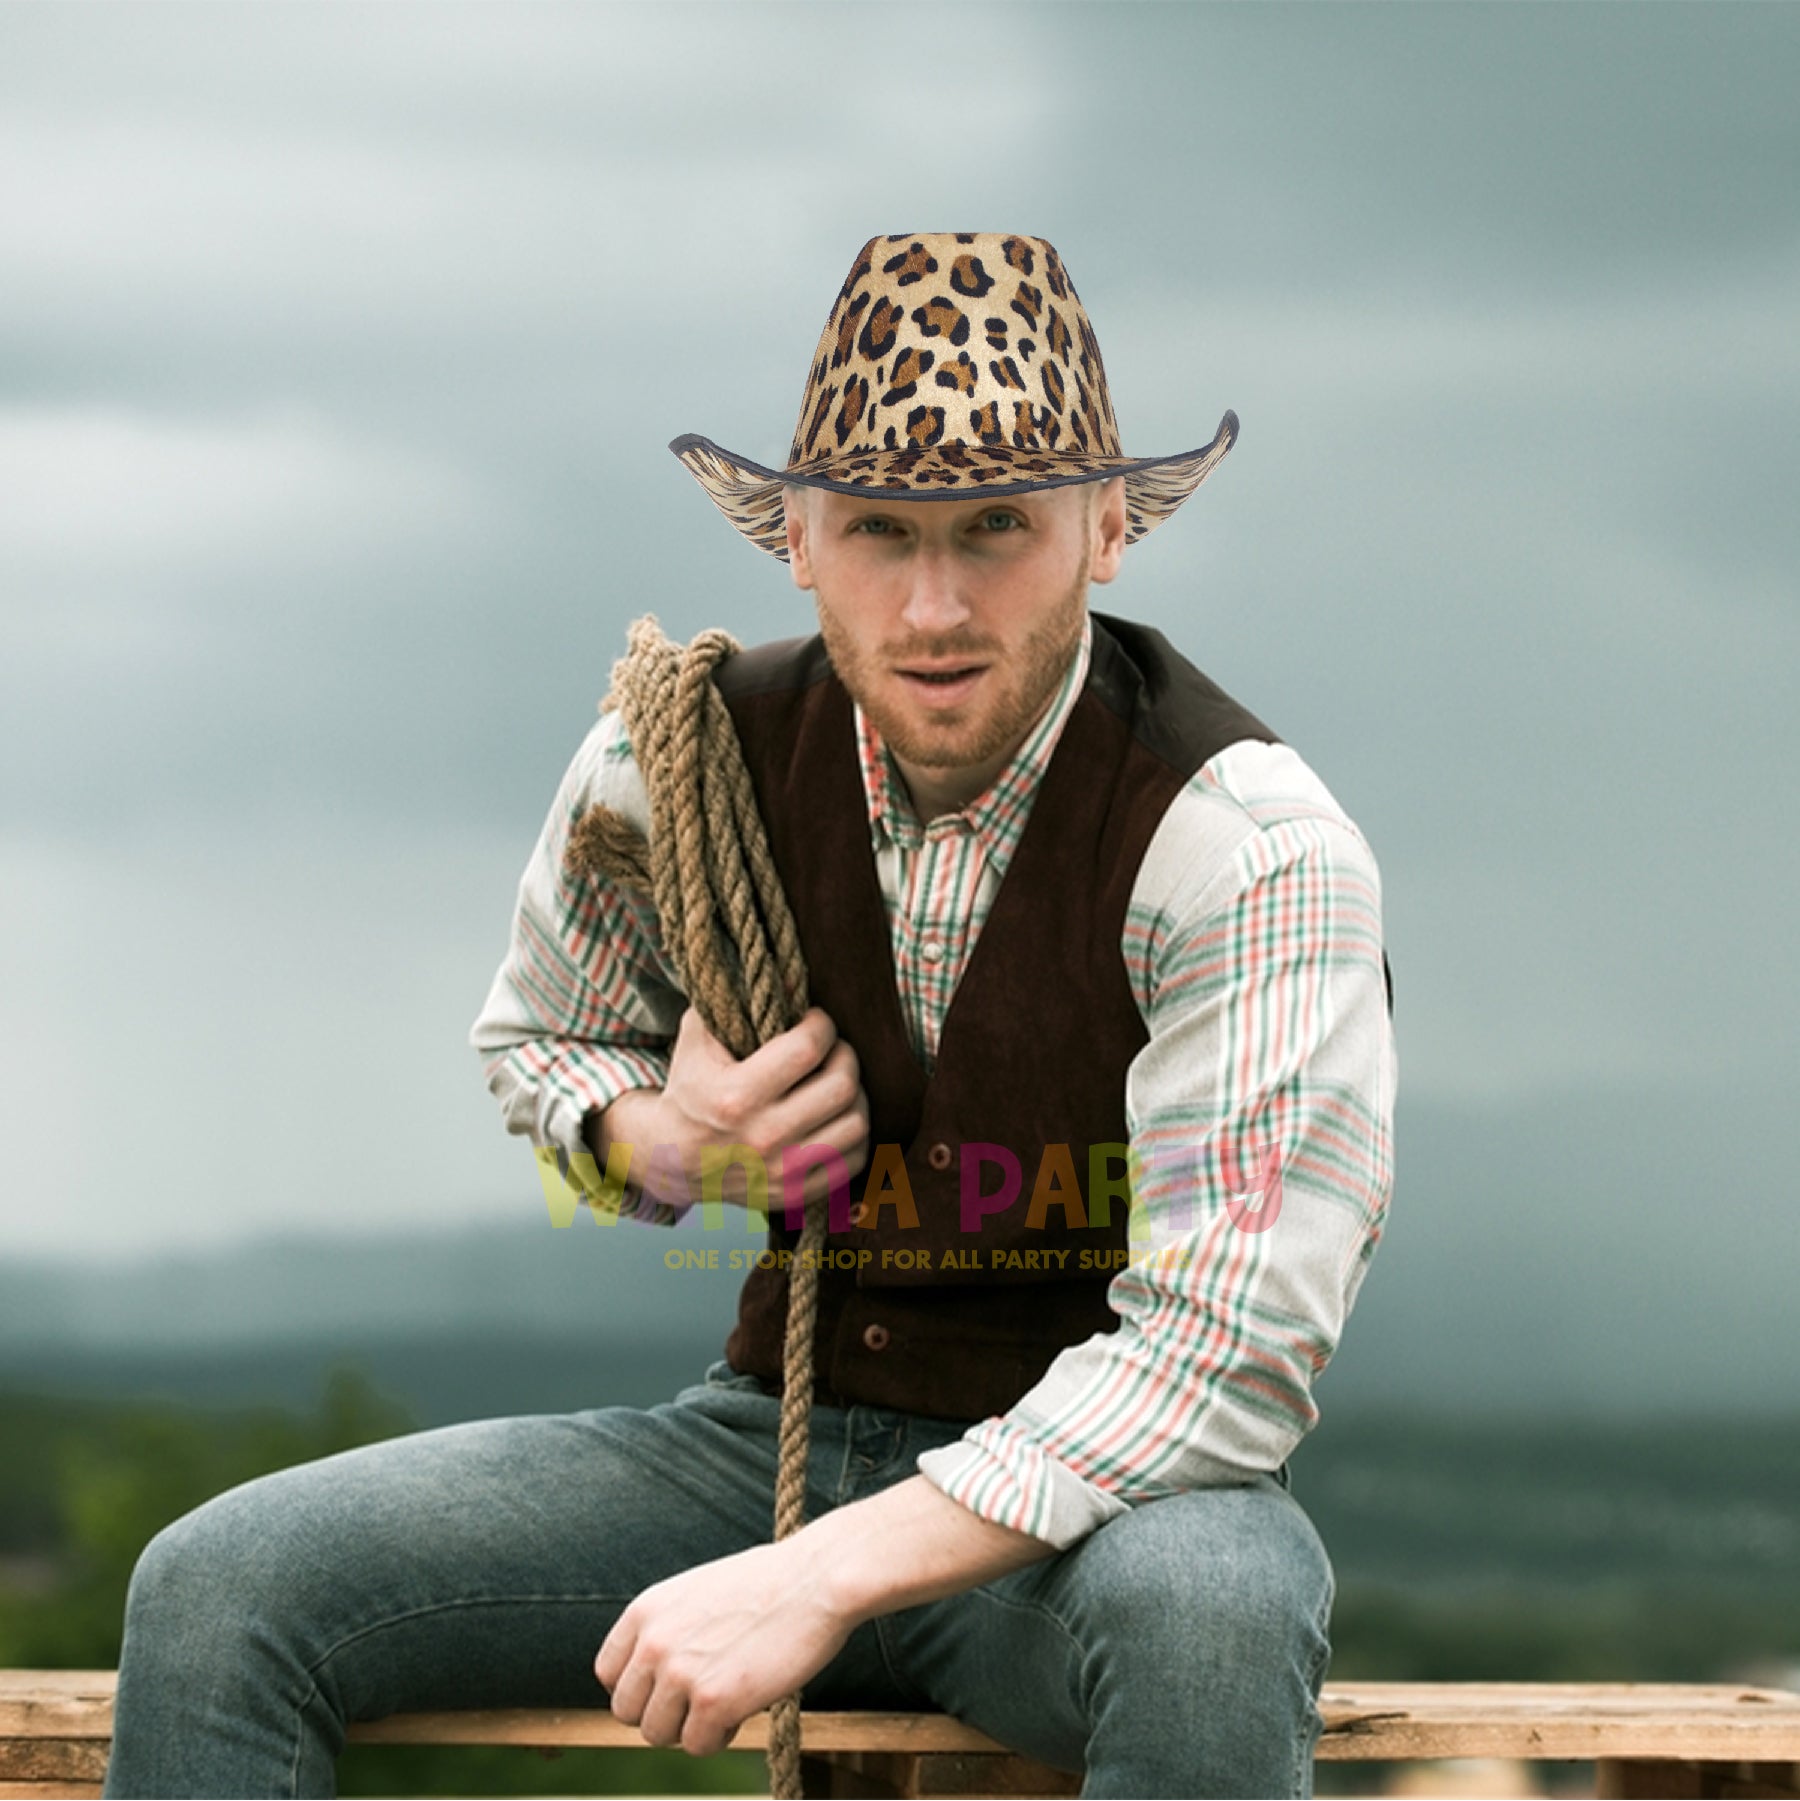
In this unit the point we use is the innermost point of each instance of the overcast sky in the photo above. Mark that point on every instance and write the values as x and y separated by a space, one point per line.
340 347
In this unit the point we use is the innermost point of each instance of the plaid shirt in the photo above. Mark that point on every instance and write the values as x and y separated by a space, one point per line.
1253 945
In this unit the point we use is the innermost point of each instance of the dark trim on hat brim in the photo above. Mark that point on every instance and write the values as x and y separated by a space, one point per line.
1228 431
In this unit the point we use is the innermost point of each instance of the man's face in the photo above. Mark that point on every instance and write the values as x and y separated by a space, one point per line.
992 592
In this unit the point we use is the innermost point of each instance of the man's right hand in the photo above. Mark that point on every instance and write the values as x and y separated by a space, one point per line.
801 1088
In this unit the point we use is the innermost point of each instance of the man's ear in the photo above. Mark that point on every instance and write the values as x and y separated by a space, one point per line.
793 501
1109 526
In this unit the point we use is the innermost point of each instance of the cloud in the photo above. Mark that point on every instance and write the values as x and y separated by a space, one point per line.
104 494
421 178
1688 337
590 75
208 1038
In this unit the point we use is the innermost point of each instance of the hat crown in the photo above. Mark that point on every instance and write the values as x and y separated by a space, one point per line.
938 340
953 364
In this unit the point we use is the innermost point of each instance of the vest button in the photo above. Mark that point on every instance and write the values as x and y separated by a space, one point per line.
875 1337
938 1156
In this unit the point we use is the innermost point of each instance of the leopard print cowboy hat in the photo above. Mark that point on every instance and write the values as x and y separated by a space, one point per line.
953 364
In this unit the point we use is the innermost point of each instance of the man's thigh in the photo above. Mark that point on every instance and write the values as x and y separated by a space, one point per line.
473 1565
1179 1649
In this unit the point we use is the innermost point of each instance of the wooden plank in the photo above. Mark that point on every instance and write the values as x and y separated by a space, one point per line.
53 1759
1649 1779
1374 1720
1641 1721
958 1773
852 1776
903 1733
50 1791
1733 1788
1674 1779
56 1703
77 1704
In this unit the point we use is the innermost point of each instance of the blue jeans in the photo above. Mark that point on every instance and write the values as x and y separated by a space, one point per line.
1178 1650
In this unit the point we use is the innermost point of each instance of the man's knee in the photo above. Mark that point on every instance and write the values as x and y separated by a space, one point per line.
211 1578
1204 1578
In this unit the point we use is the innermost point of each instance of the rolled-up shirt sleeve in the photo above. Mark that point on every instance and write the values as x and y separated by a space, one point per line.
585 1005
1260 1115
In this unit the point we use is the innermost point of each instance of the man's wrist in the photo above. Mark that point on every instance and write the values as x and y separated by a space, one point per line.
628 1122
621 1121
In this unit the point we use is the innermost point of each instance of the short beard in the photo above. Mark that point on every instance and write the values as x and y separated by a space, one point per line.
1044 661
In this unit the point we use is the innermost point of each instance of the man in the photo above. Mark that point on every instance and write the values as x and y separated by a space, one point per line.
1060 898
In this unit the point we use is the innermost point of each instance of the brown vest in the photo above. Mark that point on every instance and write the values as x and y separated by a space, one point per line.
936 1319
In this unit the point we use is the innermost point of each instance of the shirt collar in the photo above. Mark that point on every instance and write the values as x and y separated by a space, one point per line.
997 814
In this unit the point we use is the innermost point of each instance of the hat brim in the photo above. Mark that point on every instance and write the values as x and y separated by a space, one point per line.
748 493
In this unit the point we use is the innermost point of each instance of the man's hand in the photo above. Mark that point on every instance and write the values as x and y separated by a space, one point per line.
692 1658
803 1087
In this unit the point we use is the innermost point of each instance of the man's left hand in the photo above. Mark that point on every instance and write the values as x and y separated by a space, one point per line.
694 1657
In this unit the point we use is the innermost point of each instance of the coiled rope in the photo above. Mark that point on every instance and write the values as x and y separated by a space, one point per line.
732 940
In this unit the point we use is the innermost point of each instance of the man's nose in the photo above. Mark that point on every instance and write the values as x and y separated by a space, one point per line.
933 603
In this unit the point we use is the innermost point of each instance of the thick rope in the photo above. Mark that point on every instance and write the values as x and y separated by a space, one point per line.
731 937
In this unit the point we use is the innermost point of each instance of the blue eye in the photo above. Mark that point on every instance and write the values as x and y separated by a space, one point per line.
879 527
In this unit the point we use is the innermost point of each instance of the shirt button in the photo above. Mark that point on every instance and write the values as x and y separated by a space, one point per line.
875 1337
932 950
938 1156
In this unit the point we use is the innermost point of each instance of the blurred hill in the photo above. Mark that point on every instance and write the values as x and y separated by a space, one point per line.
1598 1254
517 1275
514 1318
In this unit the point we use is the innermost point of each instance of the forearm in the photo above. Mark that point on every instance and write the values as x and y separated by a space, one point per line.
583 1007
908 1545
